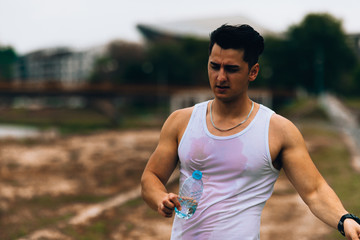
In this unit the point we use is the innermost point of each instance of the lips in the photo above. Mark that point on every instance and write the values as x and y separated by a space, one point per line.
222 87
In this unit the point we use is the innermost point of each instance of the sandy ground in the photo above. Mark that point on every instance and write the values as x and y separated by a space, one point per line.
46 184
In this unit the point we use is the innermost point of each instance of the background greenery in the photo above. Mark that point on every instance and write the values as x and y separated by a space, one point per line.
313 55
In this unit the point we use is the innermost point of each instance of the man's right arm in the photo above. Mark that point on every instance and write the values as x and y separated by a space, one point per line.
162 163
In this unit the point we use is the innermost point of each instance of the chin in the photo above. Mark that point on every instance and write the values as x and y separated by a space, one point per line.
223 98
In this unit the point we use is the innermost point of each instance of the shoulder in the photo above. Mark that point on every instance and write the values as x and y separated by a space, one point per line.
176 123
180 116
285 141
283 125
284 132
279 122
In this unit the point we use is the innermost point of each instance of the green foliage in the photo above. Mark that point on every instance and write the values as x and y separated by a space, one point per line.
172 62
305 109
65 120
355 84
313 55
121 64
274 64
7 60
182 62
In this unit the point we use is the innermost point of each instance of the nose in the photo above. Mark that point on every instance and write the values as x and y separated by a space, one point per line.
221 75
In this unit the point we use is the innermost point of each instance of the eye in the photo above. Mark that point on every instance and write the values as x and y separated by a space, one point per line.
215 66
231 69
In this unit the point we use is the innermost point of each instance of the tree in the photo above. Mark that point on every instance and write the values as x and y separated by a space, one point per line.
174 62
355 84
313 54
179 62
7 61
122 63
274 65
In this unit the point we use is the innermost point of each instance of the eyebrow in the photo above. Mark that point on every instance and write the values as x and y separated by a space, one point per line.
228 66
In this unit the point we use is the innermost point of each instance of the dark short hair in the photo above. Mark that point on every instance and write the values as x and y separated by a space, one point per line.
239 37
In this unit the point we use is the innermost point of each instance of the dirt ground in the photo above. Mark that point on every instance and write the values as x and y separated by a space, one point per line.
47 184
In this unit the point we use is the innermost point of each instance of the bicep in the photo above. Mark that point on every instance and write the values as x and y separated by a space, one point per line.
297 163
164 159
162 162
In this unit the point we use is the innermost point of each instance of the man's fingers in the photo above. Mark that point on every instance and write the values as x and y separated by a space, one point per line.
175 200
166 207
166 212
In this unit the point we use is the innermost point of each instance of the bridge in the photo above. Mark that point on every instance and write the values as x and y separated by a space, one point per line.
97 90
109 98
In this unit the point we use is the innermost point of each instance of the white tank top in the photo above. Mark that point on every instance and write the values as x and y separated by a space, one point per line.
238 178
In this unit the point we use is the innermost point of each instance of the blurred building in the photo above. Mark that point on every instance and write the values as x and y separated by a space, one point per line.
62 65
198 28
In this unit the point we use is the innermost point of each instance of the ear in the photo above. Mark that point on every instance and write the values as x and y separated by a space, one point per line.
254 71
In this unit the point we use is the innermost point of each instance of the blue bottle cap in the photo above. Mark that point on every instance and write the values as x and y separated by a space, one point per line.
197 175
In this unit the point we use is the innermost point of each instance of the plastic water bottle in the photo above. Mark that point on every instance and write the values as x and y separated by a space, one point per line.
189 195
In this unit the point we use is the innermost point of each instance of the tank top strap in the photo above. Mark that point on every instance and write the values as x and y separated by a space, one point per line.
195 124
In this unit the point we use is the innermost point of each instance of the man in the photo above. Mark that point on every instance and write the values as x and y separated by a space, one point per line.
239 146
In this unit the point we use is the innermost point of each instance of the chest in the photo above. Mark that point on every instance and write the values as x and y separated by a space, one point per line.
224 159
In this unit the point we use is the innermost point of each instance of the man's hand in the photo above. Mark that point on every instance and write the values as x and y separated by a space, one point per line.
168 204
352 229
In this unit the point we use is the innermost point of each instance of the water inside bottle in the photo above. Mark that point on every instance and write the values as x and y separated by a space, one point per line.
188 208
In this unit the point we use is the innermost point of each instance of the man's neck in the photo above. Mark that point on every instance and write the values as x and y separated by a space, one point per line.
232 109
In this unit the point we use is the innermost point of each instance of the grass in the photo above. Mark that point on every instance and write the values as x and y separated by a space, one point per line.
333 160
79 121
304 109
96 231
44 214
353 102
66 120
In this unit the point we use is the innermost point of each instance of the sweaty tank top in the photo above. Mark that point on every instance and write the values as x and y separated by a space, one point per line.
238 178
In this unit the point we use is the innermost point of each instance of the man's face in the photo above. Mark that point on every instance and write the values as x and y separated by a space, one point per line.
229 74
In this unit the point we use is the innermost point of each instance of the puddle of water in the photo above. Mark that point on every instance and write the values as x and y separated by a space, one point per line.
11 131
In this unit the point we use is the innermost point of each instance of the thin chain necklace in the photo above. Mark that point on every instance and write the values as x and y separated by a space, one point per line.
228 129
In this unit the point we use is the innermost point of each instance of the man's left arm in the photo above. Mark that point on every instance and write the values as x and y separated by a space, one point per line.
307 180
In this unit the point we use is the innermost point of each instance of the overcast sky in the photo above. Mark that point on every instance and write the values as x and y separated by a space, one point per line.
29 25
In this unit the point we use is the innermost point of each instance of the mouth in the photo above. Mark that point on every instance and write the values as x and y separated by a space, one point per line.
222 87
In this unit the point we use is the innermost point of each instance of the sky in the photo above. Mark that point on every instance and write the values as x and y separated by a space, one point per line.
29 25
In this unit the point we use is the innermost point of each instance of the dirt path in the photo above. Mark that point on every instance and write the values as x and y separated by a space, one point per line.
286 216
70 187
